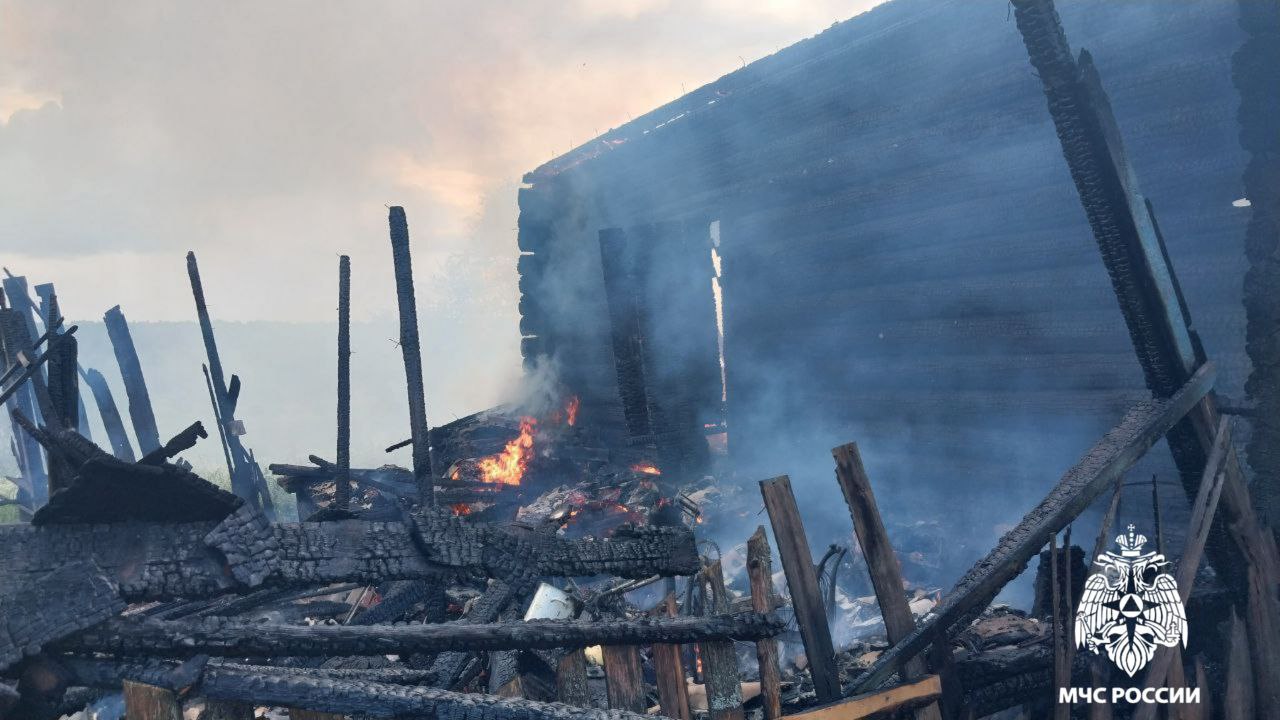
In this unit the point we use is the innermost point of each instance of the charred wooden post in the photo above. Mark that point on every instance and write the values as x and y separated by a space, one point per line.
668 669
148 702
1158 320
1107 460
244 480
110 413
342 486
64 398
21 398
760 572
882 563
806 599
719 661
409 348
624 678
571 679
135 385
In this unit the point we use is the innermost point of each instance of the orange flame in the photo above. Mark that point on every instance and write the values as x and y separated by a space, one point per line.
460 509
571 410
508 466
646 468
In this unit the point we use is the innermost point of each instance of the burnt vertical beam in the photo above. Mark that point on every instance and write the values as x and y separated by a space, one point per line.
141 415
342 479
15 287
246 482
1158 320
31 456
668 669
111 420
64 396
802 580
51 316
719 660
882 563
412 354
571 679
760 573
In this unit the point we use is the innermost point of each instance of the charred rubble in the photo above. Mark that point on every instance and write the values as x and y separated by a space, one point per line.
538 562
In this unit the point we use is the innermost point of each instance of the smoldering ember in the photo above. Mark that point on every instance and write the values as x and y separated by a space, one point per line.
876 230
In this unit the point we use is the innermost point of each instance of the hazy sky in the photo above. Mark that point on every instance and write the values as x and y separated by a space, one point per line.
269 136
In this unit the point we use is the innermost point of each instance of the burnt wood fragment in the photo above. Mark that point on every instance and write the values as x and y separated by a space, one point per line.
797 564
342 489
111 419
135 384
719 659
184 440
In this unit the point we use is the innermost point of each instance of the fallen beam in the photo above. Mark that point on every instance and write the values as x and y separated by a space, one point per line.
225 637
141 414
1110 457
153 560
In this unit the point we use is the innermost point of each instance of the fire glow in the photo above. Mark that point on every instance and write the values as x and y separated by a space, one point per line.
508 466
646 468
571 410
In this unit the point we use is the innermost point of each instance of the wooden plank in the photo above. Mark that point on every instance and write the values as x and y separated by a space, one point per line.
719 660
668 668
141 414
760 572
624 678
860 706
802 580
1108 459
571 679
882 563
148 702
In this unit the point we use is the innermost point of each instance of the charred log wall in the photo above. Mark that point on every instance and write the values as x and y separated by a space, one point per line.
904 257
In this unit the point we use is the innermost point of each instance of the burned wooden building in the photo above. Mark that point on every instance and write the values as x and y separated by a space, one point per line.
898 251
867 236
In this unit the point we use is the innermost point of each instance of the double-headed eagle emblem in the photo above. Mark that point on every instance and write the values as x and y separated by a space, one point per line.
1129 606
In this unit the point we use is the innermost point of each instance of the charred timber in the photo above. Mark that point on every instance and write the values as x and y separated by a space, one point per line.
412 353
135 385
110 413
236 638
344 695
